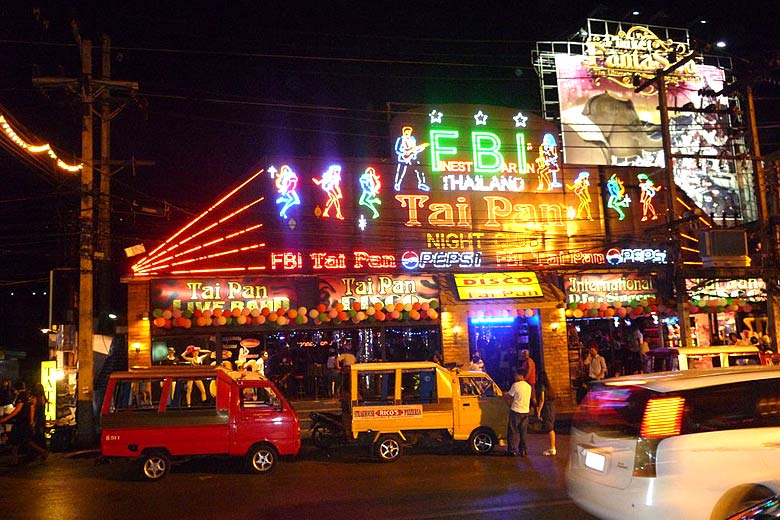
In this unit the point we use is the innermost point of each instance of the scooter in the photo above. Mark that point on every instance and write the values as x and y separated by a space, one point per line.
327 429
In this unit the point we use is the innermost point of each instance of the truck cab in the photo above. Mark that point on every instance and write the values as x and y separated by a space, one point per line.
393 405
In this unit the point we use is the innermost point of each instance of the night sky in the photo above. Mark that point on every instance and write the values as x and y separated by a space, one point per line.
220 88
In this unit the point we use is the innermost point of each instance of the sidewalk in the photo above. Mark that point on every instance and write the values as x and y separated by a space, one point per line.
304 407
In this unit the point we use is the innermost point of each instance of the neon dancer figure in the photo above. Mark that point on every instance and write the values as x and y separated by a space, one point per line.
370 184
286 184
580 189
617 196
406 148
547 164
649 191
330 182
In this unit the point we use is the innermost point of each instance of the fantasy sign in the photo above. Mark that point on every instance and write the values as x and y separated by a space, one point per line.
466 188
605 122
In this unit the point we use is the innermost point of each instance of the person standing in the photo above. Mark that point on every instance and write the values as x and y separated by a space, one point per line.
545 410
38 411
331 372
260 363
477 365
597 365
519 398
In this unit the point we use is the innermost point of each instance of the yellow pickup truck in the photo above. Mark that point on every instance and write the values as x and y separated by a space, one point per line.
393 405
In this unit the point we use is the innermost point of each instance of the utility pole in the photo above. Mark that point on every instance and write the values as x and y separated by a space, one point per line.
666 140
89 90
768 243
85 417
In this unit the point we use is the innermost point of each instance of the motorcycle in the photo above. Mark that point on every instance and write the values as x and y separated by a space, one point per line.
327 429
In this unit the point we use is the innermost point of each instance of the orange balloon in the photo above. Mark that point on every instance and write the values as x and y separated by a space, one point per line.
356 306
216 313
292 314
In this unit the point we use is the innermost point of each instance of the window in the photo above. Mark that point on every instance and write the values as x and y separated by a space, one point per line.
750 404
376 387
259 398
418 386
137 394
704 361
193 393
477 386
738 360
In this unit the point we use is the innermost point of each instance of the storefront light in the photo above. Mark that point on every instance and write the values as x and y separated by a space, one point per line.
493 320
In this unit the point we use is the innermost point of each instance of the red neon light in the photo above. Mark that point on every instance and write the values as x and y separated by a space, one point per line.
151 255
220 270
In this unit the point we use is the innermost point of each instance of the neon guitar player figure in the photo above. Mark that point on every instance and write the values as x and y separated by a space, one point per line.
406 148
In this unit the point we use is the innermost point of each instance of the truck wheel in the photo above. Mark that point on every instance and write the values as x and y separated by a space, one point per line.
261 458
155 465
388 448
482 442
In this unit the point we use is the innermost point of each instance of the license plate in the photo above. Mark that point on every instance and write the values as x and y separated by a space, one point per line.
595 461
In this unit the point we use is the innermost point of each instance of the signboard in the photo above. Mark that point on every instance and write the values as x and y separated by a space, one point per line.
609 288
605 122
362 413
202 294
489 286
747 289
369 290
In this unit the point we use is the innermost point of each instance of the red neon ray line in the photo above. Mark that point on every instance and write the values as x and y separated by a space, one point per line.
194 235
202 246
225 269
182 230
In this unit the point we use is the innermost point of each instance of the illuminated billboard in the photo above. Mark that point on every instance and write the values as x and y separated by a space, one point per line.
605 122
462 188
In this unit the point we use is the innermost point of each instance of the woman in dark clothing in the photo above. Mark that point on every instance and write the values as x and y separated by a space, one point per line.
39 417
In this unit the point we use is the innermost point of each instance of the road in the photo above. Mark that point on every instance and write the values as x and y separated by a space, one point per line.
344 483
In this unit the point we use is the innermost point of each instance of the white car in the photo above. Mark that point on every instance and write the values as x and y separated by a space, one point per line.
690 444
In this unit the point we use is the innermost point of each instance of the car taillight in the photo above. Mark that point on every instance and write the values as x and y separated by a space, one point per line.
662 418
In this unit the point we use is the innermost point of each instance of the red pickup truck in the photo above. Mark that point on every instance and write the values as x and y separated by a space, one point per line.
158 413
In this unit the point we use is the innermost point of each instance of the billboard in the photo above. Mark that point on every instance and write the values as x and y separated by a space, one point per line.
605 122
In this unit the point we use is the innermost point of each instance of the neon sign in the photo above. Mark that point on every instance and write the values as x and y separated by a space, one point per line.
407 150
286 183
330 183
649 191
440 259
618 199
487 156
581 190
609 288
370 186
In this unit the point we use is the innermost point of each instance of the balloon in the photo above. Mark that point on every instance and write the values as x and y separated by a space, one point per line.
176 313
416 306
299 319
370 311
236 312
157 313
323 317
167 315
302 310
434 304
265 311
569 313
207 313
241 320
415 315
221 320
292 314
577 313
379 306
355 306
339 306
273 317
246 311
333 314
343 316
321 307
395 315
747 307
425 306
609 312
361 316
529 313
200 321
159 322
260 320
380 316
432 314
352 313
315 313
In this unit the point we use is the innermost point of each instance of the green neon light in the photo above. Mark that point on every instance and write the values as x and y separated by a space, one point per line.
486 148
522 160
438 149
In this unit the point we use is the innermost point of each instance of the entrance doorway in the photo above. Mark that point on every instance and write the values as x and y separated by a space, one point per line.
498 339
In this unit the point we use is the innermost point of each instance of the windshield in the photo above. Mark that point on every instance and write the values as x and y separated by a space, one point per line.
612 411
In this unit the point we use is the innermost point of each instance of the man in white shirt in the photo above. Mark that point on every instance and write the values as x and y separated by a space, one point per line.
519 398
597 365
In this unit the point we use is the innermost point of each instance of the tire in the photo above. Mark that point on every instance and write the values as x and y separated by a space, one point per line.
482 442
388 448
739 499
155 465
261 458
322 436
